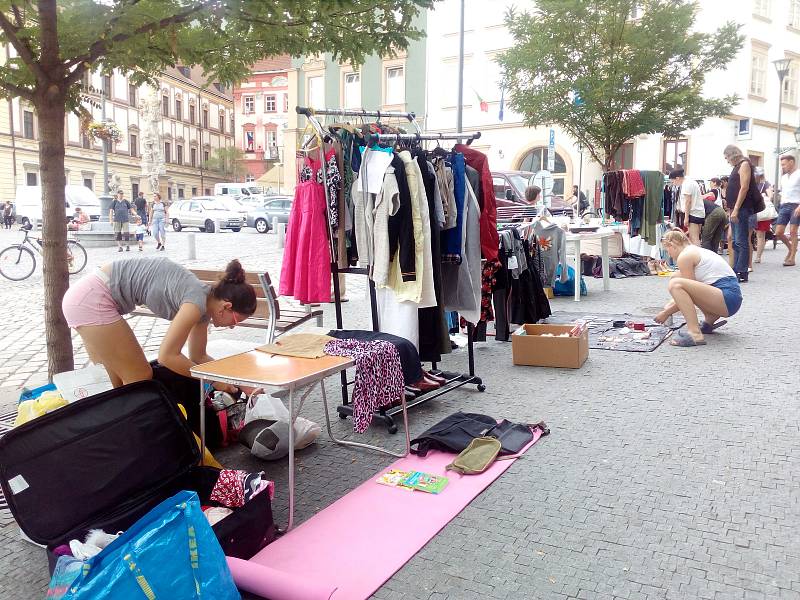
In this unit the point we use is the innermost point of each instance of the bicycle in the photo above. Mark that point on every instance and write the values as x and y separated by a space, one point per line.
18 262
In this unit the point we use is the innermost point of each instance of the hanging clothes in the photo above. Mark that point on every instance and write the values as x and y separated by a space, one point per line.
461 282
401 225
409 357
552 242
486 200
615 197
444 181
306 267
451 238
632 184
653 212
379 377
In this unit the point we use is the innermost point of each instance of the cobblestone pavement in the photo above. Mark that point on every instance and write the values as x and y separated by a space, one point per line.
666 475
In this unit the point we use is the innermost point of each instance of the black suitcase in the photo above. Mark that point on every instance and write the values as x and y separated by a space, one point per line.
104 461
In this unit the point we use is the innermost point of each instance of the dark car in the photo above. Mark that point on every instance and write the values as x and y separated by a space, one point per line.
509 193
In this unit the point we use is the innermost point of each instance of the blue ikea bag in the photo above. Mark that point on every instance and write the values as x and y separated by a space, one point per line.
567 288
170 553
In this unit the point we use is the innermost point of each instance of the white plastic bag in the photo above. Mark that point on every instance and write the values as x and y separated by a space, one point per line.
81 383
265 406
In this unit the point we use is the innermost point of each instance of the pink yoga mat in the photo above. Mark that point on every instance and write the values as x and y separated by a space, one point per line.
353 546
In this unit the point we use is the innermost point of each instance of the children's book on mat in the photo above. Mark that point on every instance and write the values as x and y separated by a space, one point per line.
413 480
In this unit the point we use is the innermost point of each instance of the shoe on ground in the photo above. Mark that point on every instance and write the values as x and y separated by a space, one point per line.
127 248
119 249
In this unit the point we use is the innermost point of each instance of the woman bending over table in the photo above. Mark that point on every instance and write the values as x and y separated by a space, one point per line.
95 305
704 280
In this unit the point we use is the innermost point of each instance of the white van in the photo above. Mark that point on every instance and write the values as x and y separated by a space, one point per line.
28 203
239 190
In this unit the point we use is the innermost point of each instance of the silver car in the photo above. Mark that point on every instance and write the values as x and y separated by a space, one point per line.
257 217
206 214
278 206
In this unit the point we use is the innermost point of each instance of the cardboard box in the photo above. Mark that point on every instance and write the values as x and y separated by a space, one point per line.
530 348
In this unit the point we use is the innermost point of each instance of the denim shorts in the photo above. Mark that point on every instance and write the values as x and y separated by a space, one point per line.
731 292
786 214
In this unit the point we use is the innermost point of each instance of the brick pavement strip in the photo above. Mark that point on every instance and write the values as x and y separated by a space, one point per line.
667 474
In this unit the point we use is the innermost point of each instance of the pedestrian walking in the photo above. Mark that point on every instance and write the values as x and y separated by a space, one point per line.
691 204
141 208
158 220
8 217
140 231
120 215
742 196
704 281
789 212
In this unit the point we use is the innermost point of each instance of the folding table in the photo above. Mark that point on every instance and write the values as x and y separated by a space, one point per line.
263 370
575 239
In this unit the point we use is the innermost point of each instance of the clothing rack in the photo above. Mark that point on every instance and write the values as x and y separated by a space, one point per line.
453 380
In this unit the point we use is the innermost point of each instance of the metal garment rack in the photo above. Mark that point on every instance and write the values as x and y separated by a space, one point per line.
453 380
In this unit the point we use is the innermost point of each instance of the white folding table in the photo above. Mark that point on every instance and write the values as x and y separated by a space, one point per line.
575 239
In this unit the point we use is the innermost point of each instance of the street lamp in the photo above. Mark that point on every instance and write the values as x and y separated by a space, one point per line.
782 68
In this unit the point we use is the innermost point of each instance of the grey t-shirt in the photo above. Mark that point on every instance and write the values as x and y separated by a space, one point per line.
121 211
157 283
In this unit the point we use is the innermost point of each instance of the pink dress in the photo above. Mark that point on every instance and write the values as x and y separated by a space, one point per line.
306 270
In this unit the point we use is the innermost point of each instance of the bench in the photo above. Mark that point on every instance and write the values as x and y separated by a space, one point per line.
269 314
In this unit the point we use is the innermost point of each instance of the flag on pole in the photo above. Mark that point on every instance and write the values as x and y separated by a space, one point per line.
502 103
483 104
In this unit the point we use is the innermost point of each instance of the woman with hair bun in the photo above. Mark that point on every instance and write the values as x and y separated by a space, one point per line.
94 307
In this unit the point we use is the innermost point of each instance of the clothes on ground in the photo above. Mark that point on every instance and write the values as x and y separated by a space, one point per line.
378 380
234 488
300 345
215 514
158 283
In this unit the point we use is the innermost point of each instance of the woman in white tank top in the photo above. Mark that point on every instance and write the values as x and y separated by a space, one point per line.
705 281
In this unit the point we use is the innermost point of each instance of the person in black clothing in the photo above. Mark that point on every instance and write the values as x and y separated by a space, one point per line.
8 215
141 207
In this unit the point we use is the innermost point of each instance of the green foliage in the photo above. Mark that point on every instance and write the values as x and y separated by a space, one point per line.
228 162
224 37
632 76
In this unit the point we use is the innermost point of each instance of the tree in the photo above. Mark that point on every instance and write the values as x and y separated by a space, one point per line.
605 77
228 162
55 42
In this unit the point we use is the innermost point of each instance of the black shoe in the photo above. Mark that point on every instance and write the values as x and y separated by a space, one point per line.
119 249
158 247
742 277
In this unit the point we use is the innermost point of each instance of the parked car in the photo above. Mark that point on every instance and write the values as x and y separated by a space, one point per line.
28 203
278 206
239 190
205 213
509 191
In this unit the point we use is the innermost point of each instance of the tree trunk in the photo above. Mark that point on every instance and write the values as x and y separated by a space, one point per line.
51 111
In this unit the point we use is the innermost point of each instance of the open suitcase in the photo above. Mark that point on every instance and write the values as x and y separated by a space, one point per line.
104 461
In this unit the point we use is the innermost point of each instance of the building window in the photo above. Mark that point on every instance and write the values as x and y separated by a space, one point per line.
249 141
286 100
272 143
131 94
133 142
27 124
271 103
194 192
761 8
205 118
789 95
222 122
395 85
675 154
87 182
178 109
249 178
135 190
794 13
167 152
107 86
179 152
758 72
85 141
165 106
233 124
208 192
191 114
205 160
169 193
352 90
249 104
316 91
180 192
536 160
31 179
623 157
193 156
